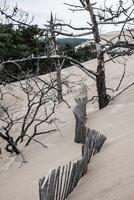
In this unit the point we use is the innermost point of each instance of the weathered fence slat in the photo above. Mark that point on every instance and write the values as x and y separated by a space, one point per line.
50 195
68 177
59 183
47 186
71 178
65 182
41 191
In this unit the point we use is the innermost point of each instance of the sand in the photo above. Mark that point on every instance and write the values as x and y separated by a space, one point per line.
110 175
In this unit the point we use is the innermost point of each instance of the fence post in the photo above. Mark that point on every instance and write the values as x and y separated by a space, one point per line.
80 115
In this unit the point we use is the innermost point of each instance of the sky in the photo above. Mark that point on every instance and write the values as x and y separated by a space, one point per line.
41 10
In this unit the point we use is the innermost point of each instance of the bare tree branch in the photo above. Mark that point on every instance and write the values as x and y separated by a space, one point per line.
57 57
15 15
124 71
123 90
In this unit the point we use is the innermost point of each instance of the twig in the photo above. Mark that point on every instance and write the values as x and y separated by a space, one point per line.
110 89
124 71
37 141
66 103
45 132
94 98
24 160
57 127
122 91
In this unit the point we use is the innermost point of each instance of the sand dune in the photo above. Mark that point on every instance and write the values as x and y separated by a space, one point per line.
110 175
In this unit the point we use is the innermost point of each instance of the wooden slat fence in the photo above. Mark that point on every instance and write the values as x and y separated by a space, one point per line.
59 183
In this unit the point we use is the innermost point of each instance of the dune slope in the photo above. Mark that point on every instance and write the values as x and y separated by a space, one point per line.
110 175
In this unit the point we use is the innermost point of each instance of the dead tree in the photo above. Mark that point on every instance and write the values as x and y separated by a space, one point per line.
121 15
40 105
52 49
120 45
18 17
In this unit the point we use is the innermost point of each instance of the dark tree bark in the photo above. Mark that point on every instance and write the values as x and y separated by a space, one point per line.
100 78
59 84
11 146
103 97
53 50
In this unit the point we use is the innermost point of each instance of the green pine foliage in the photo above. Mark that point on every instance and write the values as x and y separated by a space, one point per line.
22 42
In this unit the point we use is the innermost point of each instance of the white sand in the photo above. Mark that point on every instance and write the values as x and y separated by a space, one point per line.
110 175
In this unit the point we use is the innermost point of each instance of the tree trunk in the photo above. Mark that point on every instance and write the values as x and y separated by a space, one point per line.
59 82
59 86
54 50
11 147
103 98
